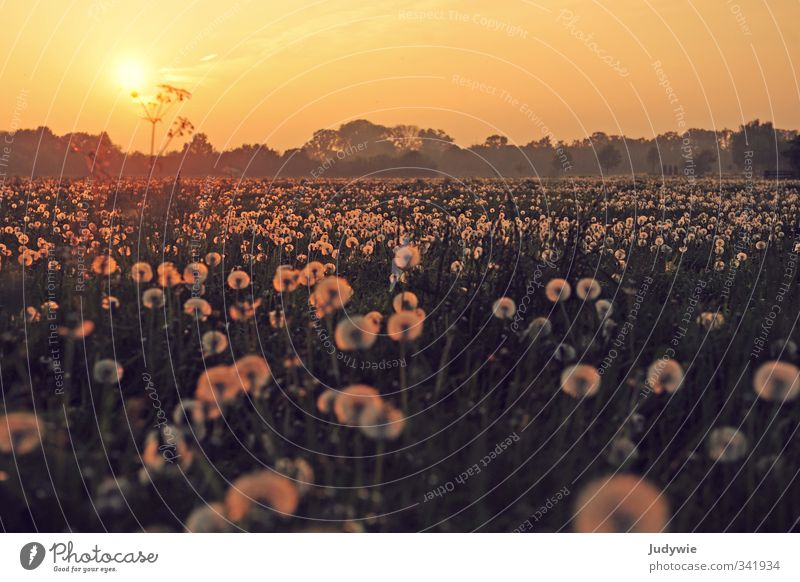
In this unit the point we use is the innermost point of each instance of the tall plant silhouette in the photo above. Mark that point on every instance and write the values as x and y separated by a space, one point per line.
156 107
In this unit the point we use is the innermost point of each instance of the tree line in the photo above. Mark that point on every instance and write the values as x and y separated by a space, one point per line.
360 147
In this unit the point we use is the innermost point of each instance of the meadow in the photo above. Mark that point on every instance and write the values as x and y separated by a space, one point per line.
399 355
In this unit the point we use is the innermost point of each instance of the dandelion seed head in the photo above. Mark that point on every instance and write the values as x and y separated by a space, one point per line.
621 503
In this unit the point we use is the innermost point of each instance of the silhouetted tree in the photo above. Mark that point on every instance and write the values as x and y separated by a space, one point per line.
609 158
653 158
544 143
405 138
374 140
496 141
198 155
562 159
324 144
792 152
97 152
704 161
250 160
757 145
434 143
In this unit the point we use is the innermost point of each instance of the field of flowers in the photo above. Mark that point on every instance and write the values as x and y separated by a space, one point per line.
399 355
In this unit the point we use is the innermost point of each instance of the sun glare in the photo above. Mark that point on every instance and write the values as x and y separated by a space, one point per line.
131 75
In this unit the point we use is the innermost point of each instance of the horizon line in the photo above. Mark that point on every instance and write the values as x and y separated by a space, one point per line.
554 142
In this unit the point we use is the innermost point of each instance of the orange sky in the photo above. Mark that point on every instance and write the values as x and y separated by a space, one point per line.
268 71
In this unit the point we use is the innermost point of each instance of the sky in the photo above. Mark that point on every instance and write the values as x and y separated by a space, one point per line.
274 72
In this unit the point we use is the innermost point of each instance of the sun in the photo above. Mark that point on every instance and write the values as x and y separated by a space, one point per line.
131 74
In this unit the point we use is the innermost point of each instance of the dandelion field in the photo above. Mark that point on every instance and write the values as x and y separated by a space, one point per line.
399 355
